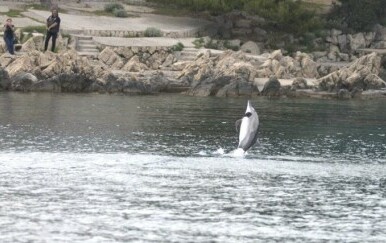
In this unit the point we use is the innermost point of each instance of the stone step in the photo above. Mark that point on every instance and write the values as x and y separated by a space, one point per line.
88 50
80 37
185 59
87 45
86 42
191 49
86 53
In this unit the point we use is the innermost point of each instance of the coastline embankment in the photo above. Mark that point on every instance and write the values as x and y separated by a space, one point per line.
174 64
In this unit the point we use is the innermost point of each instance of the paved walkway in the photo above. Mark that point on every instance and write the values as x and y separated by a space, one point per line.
144 41
80 20
89 22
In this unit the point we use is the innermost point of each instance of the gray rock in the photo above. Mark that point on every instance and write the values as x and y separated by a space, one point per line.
335 32
361 74
243 23
299 83
5 82
251 47
271 87
260 34
344 94
380 33
343 43
357 41
23 81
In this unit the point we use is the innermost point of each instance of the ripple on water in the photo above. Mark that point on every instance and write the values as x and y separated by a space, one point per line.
123 197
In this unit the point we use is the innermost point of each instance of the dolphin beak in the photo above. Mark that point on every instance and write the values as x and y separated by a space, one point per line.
248 107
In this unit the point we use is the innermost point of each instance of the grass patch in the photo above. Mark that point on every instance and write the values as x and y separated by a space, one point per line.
32 29
14 13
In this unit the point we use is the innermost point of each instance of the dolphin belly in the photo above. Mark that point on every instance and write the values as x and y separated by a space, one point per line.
248 134
248 128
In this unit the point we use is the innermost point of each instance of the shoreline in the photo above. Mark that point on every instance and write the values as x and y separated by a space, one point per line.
150 65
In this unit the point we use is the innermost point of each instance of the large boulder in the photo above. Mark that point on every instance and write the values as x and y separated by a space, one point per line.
22 64
357 41
34 43
361 74
230 74
134 65
4 79
251 47
23 81
301 65
70 82
126 83
271 87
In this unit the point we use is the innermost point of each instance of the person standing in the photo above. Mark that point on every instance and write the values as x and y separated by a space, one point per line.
9 35
53 25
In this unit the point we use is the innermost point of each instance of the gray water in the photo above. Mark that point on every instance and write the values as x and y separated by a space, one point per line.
111 168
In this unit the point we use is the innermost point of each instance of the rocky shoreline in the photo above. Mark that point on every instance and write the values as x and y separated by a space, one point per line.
152 70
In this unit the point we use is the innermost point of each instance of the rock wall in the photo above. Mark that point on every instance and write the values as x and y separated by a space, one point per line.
149 70
135 59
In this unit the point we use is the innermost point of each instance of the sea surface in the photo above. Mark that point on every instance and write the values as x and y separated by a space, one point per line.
116 168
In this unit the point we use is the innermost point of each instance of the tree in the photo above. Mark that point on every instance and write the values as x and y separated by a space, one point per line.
360 15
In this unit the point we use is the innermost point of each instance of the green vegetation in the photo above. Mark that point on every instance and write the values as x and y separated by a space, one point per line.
26 32
281 15
121 13
114 9
14 13
354 15
111 7
30 29
291 16
199 43
152 32
178 47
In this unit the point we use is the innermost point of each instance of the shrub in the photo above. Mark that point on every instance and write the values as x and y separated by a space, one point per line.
121 13
111 7
358 15
198 43
178 47
152 32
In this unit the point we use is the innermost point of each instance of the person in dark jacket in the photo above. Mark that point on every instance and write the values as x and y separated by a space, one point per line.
53 25
9 35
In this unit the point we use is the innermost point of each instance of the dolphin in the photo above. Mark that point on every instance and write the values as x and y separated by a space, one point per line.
249 125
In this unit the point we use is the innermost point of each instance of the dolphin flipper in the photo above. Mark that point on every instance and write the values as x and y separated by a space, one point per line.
238 124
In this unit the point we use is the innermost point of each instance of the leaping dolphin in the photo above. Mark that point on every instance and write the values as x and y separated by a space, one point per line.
248 128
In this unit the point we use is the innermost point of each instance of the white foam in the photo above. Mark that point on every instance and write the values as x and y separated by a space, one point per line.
239 152
219 151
